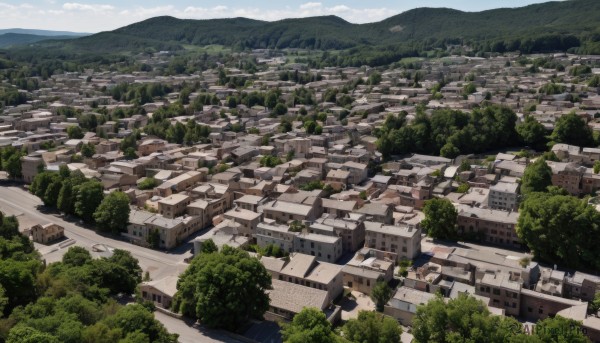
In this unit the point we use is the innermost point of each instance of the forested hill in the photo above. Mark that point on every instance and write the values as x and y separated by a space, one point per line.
548 26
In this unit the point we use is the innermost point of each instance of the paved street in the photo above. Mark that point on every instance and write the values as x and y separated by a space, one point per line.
189 331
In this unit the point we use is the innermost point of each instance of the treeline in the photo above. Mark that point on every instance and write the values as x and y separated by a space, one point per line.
73 194
70 301
448 133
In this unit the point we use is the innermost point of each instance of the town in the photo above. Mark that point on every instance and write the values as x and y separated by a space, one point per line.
357 188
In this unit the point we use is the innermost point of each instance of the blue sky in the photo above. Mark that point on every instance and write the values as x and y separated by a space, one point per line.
101 15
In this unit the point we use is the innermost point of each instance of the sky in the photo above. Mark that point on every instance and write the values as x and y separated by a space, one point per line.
104 15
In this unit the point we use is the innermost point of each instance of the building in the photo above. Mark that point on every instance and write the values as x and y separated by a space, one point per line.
494 226
288 299
248 220
47 233
307 271
504 291
504 196
275 234
30 167
284 212
170 231
351 231
403 305
324 248
404 240
364 271
174 205
377 212
160 292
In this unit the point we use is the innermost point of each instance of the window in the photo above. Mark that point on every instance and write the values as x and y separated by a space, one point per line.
496 291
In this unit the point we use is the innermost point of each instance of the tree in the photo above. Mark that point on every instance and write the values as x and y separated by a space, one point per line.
310 126
440 219
532 133
11 162
88 150
596 167
89 196
52 192
462 319
208 247
65 201
134 319
572 129
594 306
310 325
209 289
381 294
557 229
24 334
372 327
113 213
537 177
560 329
148 183
74 132
280 109
154 238
76 257
130 153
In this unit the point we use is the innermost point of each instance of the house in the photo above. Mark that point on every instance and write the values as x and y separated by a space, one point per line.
404 303
247 220
365 269
47 233
306 270
160 292
338 209
358 172
404 240
170 232
287 299
377 212
284 212
30 166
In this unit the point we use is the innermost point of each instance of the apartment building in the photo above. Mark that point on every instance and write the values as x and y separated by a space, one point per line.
504 196
351 231
174 205
275 234
503 292
495 226
404 240
377 212
284 212
324 248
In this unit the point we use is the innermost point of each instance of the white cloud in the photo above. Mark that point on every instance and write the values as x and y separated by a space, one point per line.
99 16
311 5
75 6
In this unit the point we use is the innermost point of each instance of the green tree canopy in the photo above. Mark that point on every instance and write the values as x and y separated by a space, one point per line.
113 213
381 294
557 228
532 133
372 327
310 325
89 196
463 319
537 177
210 289
572 129
440 219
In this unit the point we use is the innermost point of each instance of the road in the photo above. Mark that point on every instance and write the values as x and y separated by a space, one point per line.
189 332
17 201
